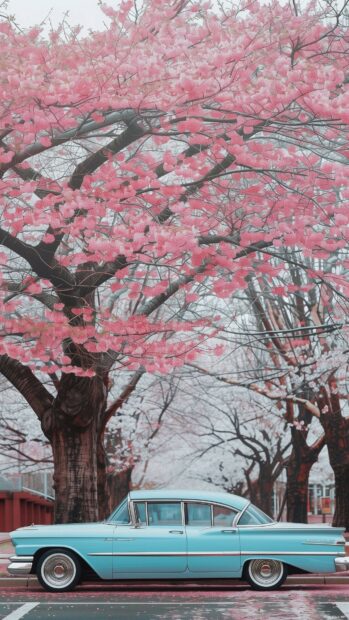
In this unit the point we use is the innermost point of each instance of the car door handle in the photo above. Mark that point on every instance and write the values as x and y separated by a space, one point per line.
228 531
176 532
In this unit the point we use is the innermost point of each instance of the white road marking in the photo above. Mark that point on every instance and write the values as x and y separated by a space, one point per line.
344 608
21 611
26 607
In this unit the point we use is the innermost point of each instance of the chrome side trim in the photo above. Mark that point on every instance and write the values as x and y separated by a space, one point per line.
133 514
324 543
183 514
170 553
334 553
130 514
253 526
218 553
271 526
21 558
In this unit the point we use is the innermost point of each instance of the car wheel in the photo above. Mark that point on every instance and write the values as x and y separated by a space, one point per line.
58 570
265 574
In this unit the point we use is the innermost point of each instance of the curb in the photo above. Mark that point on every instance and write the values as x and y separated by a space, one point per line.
293 580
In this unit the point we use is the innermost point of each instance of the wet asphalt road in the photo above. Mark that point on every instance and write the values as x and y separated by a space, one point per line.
309 602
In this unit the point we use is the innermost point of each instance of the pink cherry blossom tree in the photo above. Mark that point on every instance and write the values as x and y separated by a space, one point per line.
138 162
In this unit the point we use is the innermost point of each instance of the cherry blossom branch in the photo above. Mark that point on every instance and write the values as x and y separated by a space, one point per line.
18 288
126 392
98 158
313 409
71 134
60 277
24 380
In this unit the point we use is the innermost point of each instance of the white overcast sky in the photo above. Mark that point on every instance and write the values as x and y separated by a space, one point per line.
83 12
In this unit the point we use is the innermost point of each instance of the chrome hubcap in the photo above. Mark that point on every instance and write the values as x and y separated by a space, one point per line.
266 570
58 570
265 573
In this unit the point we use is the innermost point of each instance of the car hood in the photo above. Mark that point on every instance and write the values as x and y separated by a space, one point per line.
67 529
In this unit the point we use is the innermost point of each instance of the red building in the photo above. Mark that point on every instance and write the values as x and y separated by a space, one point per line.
23 507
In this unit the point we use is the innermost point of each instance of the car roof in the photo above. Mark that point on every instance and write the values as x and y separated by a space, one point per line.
235 501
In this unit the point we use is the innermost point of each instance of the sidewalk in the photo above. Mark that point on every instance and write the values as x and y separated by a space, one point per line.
8 581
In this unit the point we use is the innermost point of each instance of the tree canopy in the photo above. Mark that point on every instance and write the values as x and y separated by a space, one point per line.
185 145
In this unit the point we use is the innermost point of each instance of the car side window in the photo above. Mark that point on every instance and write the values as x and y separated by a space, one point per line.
223 516
199 514
164 513
254 516
140 513
122 516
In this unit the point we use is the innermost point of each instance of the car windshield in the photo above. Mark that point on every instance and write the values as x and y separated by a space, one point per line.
254 516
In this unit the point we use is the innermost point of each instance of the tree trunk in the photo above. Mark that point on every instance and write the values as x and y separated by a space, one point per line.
75 474
337 438
75 430
119 484
299 465
297 490
104 502
261 490
341 514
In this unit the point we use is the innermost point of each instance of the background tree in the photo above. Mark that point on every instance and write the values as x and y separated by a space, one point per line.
315 375
250 435
136 163
23 448
131 436
295 353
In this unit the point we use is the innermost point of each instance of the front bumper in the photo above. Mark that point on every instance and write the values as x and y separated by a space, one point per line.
20 564
342 564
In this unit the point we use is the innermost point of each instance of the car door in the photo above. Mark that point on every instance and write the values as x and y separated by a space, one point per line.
213 542
156 547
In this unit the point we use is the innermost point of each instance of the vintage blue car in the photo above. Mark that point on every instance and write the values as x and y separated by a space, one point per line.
177 535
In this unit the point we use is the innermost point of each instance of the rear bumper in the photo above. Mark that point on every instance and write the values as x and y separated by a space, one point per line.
20 564
342 564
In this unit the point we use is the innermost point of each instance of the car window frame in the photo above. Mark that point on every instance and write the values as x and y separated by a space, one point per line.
133 521
112 519
211 504
155 501
237 513
268 524
189 501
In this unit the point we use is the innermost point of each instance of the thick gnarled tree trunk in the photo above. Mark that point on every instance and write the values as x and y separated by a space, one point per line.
75 430
75 479
74 422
